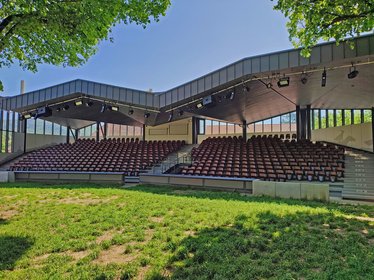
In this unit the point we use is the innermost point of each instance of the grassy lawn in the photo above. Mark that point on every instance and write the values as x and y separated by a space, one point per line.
89 232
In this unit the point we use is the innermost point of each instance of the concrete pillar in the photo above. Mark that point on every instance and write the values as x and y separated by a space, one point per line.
68 135
245 130
195 127
372 125
105 130
303 122
24 135
97 131
144 127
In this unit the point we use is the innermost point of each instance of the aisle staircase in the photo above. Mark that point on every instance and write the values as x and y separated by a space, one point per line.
359 176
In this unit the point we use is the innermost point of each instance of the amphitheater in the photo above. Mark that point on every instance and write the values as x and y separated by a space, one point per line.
276 124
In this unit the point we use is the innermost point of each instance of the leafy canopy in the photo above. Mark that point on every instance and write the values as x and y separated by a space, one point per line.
312 20
65 32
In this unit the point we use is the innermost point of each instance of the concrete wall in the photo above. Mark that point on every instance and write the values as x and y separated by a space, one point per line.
35 141
357 136
178 130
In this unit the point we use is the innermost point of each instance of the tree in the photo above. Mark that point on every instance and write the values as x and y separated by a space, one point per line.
65 32
313 20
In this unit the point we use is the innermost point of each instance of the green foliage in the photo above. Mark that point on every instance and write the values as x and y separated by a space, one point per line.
65 32
313 20
197 235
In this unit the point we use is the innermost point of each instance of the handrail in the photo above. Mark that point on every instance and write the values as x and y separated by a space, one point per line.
184 159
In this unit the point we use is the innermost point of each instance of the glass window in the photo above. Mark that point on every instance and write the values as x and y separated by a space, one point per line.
56 129
117 130
39 126
31 126
48 128
347 117
5 119
323 119
258 127
293 121
330 118
367 116
16 122
208 127
276 127
222 128
201 127
10 142
339 117
285 122
357 116
137 131
11 123
267 125
215 127
64 130
130 130
230 128
251 128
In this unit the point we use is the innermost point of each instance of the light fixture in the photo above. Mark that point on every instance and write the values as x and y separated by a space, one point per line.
304 78
58 109
324 78
352 72
230 95
78 102
131 111
147 115
65 107
27 116
180 113
269 85
199 105
103 108
113 108
89 104
246 89
170 116
284 82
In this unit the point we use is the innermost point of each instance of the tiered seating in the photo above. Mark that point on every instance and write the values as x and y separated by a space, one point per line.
112 155
267 158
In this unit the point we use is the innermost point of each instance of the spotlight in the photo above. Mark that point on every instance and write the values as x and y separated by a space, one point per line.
219 99
65 108
352 73
199 105
89 104
103 108
27 116
43 112
170 117
58 109
230 95
113 108
147 115
324 78
78 102
180 113
269 85
246 89
304 78
284 82
131 111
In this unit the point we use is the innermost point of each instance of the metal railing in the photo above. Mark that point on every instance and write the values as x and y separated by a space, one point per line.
183 158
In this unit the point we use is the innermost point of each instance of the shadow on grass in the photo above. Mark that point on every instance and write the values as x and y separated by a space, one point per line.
235 196
297 246
11 249
68 186
3 221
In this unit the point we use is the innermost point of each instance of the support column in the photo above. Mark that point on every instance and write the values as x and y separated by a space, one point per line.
144 127
194 129
24 136
97 131
105 130
372 125
245 137
76 134
68 135
303 123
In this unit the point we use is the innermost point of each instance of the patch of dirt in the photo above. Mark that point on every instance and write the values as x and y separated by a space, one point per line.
142 272
366 219
365 231
190 233
148 235
115 254
108 235
8 214
76 256
156 219
86 201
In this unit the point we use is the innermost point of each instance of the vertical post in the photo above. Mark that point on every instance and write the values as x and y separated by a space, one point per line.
76 134
194 129
245 130
97 131
105 130
372 126
298 126
24 135
144 127
68 135
308 123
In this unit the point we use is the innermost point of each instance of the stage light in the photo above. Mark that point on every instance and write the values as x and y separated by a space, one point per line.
65 108
230 95
43 112
352 73
147 115
26 116
199 105
324 78
284 82
246 89
78 102
269 85
131 111
180 113
58 109
114 108
304 78
170 117
89 104
103 108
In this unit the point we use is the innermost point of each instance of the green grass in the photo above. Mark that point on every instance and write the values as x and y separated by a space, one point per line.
90 232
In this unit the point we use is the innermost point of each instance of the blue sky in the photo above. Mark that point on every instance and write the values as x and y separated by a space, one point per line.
194 38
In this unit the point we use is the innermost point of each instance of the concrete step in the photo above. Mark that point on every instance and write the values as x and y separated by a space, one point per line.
131 179
357 196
